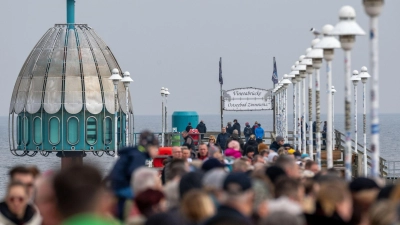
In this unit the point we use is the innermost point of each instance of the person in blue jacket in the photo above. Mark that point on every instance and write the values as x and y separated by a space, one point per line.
131 158
259 132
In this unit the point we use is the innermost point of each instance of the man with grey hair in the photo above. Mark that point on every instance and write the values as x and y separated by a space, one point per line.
237 203
145 178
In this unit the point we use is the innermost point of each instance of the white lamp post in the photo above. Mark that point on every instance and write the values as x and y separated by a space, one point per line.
373 8
364 77
115 77
302 70
166 111
355 78
309 69
316 55
328 43
292 75
285 83
162 92
333 91
347 29
126 80
303 75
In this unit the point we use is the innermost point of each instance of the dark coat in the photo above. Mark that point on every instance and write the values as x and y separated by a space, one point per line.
247 131
236 126
251 143
129 160
188 128
189 142
227 214
274 146
319 219
229 129
201 127
222 140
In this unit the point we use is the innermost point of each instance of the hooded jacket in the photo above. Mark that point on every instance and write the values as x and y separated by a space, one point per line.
259 132
129 160
201 127
31 216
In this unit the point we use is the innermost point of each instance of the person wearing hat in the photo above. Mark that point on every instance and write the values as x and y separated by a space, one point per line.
247 131
279 141
131 158
238 202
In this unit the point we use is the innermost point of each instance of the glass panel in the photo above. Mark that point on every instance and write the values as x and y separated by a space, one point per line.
119 130
108 133
54 131
91 131
37 130
19 125
73 130
25 131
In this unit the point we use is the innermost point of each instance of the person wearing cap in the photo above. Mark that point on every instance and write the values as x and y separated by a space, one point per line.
247 131
238 201
131 158
259 132
364 192
279 141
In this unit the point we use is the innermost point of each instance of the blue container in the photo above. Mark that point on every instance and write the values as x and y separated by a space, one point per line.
180 119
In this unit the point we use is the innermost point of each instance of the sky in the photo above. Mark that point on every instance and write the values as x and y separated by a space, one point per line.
177 44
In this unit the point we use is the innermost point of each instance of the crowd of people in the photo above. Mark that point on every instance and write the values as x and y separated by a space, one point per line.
256 184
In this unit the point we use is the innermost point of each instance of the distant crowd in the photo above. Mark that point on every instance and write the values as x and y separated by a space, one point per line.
220 183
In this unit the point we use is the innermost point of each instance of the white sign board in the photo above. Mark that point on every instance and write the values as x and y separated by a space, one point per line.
247 99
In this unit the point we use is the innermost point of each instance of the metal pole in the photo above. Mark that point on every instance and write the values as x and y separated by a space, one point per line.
310 122
355 119
162 122
348 152
286 117
127 117
166 116
364 132
115 121
298 119
328 147
333 122
304 148
294 117
374 107
221 107
317 118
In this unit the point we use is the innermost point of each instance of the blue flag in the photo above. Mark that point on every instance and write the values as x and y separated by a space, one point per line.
221 81
275 74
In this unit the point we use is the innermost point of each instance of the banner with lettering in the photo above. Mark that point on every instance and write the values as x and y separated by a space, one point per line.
247 99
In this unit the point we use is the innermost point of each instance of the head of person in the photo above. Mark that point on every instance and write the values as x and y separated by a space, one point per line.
238 192
150 202
247 124
184 134
212 139
45 200
197 206
235 132
312 166
215 152
258 159
176 152
262 146
240 165
283 218
384 213
334 197
282 151
280 140
289 188
289 165
252 137
17 198
149 143
177 168
364 192
229 123
203 150
185 152
256 123
188 182
78 189
145 178
189 124
235 121
250 151
223 130
23 175
234 145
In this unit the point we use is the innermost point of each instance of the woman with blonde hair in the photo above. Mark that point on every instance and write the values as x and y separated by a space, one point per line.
197 206
212 141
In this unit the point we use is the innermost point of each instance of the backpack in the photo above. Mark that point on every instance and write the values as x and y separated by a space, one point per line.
247 131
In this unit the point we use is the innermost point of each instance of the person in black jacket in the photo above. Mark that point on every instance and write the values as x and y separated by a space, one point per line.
189 127
201 128
236 126
252 142
279 141
229 128
247 131
222 138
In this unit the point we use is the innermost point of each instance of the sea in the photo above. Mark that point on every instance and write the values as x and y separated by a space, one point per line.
389 139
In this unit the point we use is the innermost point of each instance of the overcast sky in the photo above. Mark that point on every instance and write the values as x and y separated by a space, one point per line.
177 44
